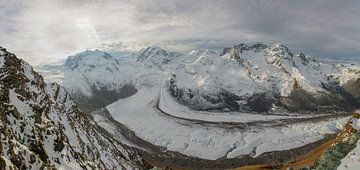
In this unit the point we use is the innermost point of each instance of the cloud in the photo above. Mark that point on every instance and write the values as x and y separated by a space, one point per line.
43 31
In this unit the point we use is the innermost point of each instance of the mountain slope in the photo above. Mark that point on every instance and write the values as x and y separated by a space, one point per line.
96 79
156 56
41 126
86 77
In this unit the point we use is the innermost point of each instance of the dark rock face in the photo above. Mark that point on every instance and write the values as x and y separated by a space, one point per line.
349 98
261 102
102 97
301 100
174 91
353 87
230 100
197 100
306 59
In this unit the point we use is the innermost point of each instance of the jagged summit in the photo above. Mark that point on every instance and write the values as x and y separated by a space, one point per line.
237 50
275 53
156 55
150 52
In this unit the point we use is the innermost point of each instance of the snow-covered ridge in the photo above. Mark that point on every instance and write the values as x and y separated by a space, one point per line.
91 69
267 73
156 55
41 127
95 78
275 64
153 52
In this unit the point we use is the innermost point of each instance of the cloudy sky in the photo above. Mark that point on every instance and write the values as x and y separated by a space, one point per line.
44 31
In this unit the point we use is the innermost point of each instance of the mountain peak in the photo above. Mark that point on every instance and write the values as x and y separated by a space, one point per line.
151 52
156 55
305 59
257 47
88 58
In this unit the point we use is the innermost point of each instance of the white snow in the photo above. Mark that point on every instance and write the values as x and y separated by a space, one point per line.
346 73
93 69
257 72
201 71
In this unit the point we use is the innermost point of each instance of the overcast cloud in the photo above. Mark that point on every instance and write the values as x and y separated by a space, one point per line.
43 31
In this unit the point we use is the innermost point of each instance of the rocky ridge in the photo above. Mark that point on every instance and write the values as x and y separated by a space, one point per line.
41 127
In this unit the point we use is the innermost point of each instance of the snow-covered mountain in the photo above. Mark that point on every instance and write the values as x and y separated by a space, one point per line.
96 78
97 73
261 78
156 55
254 78
41 127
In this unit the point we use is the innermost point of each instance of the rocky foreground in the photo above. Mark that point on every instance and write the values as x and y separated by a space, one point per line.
42 128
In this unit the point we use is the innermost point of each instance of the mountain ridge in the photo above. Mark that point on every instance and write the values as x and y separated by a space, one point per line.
41 126
263 73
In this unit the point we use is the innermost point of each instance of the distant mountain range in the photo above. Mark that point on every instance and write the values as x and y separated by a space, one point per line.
247 77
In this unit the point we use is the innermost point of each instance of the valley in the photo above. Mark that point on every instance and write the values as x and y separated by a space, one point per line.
165 116
179 85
